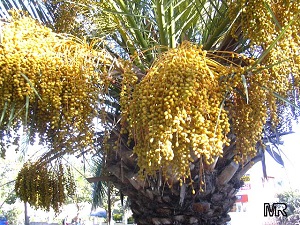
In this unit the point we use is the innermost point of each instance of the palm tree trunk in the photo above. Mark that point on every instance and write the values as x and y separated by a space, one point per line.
163 207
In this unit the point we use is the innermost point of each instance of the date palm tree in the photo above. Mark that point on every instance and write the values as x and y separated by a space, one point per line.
254 42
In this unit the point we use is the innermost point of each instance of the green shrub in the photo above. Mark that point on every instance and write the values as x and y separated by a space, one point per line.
292 199
130 220
117 217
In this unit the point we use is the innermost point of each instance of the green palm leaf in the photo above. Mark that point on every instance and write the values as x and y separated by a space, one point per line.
36 9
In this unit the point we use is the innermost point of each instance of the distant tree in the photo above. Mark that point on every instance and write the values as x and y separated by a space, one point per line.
12 215
8 172
292 199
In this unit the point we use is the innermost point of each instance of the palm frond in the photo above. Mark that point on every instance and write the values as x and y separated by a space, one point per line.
37 9
145 28
100 187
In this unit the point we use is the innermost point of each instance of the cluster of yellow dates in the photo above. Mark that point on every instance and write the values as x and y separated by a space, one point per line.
271 27
49 84
175 112
43 187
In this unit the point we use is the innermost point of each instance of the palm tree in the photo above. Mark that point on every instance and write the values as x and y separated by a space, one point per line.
253 45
